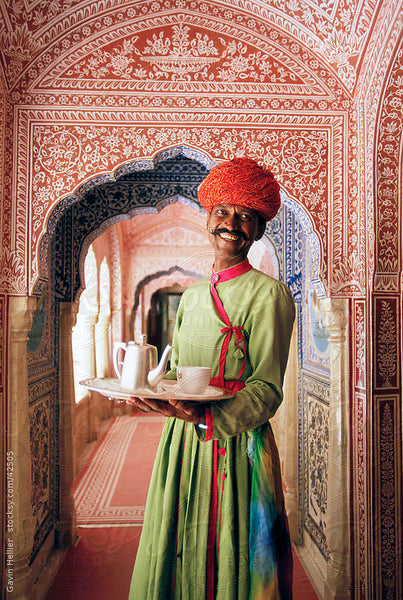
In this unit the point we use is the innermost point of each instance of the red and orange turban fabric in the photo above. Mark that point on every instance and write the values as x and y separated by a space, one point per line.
243 182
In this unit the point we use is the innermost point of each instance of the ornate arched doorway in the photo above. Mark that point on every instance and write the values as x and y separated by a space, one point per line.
294 255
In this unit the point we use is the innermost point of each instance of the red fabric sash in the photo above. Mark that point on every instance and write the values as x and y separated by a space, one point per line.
234 386
229 329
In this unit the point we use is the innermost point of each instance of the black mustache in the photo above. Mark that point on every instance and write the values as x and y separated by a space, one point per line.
221 230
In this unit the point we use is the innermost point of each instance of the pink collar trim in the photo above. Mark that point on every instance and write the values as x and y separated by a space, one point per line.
231 273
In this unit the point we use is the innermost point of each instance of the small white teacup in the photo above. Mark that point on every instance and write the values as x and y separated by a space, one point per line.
192 380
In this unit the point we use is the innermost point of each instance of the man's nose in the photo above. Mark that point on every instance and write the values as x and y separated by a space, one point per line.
232 221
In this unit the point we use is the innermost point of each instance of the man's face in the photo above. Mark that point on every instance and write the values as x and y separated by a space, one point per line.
233 229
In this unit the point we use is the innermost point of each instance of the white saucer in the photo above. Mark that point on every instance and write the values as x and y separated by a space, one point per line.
164 391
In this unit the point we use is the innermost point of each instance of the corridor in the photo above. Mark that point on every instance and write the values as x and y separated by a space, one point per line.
110 496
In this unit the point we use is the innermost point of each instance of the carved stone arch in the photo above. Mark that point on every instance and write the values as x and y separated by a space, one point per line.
164 277
312 240
72 226
289 234
134 188
156 275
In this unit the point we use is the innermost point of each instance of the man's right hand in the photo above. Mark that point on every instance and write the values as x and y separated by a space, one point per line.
191 412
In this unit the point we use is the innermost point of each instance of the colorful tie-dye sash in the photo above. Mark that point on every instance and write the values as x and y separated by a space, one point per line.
269 542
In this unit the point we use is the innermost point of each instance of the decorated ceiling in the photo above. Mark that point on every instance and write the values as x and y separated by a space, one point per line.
305 49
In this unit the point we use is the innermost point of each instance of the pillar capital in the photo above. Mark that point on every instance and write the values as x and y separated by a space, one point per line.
21 310
336 317
68 313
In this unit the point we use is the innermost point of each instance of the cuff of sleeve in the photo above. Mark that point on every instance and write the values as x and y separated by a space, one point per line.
209 425
205 431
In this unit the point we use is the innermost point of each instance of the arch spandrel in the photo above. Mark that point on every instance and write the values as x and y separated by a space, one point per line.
143 192
283 147
148 190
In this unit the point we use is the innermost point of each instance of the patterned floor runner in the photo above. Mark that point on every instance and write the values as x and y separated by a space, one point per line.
112 490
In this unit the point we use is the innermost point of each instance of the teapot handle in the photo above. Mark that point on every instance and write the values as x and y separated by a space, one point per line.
116 347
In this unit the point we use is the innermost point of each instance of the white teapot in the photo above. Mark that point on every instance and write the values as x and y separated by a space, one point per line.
140 367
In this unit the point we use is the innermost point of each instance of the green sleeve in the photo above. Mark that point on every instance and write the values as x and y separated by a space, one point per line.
269 327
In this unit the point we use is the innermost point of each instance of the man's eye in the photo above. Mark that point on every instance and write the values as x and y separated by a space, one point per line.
245 217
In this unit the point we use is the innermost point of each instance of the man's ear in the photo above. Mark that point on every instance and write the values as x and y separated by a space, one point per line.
261 228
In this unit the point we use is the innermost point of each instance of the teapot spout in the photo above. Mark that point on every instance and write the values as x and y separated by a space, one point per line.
155 375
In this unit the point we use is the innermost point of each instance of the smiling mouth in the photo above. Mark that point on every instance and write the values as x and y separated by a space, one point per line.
232 237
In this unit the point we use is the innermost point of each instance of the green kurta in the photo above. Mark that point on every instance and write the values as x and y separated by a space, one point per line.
171 560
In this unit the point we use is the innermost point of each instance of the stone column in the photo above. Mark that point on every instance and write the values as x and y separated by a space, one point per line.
291 446
93 421
127 322
103 331
337 584
20 526
103 352
68 525
116 335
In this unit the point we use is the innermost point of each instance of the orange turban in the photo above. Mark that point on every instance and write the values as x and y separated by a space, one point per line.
241 181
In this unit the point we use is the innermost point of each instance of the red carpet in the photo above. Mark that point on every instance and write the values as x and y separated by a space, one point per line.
100 566
113 488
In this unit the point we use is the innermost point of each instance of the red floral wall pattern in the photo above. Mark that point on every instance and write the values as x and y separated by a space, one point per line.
387 333
388 191
66 156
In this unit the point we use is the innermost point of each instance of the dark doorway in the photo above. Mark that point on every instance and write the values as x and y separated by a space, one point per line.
162 315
